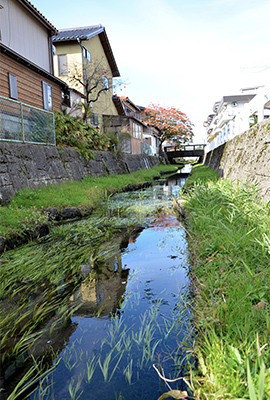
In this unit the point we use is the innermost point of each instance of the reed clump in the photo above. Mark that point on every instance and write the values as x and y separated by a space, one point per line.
229 242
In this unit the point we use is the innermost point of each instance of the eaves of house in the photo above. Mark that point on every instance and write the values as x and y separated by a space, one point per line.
86 33
131 104
12 54
119 105
242 98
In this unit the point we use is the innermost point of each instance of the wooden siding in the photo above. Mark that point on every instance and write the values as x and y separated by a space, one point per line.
117 123
29 83
136 146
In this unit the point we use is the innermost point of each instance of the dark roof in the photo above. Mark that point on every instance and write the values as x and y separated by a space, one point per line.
83 33
241 98
31 65
34 11
86 33
127 100
119 105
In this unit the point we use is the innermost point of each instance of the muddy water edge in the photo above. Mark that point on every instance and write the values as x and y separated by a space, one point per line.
95 309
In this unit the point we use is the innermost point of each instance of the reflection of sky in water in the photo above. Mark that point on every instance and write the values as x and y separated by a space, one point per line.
157 260
157 263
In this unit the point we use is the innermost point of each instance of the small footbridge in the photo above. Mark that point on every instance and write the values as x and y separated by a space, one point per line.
189 150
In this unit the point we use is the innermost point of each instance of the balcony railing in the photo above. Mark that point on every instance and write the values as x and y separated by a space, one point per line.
20 122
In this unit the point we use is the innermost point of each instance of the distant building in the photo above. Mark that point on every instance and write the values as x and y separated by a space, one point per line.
233 115
85 61
136 136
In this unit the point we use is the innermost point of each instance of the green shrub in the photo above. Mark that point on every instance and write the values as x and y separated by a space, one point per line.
73 132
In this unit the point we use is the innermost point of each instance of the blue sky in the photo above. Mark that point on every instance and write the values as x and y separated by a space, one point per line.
181 53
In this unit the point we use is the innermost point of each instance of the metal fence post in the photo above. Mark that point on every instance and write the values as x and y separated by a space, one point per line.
22 124
54 135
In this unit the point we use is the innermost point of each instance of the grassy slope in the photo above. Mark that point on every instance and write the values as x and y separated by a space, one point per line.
230 247
24 211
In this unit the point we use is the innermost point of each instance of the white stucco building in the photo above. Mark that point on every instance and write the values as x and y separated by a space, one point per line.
235 114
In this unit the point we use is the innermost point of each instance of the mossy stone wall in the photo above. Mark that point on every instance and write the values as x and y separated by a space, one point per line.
245 158
31 165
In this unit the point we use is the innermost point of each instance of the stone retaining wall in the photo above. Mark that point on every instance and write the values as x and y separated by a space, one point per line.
245 158
31 165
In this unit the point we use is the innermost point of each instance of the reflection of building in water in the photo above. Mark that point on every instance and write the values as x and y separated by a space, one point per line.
173 182
102 291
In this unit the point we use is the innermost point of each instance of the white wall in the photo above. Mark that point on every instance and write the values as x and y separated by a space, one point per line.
21 32
239 119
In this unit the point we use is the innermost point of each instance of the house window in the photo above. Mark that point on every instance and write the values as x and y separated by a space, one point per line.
62 64
105 82
66 98
136 130
94 119
86 53
47 96
13 93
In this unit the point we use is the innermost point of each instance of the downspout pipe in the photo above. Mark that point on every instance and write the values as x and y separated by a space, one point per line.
83 64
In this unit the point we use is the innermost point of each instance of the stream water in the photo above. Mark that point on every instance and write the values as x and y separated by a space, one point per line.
130 317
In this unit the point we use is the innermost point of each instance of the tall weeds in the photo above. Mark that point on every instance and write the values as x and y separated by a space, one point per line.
229 243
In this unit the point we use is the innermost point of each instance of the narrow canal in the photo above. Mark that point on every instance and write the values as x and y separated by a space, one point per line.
123 291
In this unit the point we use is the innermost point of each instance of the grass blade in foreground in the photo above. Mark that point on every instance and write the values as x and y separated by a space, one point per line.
228 226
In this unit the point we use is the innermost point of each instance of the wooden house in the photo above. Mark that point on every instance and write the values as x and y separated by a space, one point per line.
137 136
26 57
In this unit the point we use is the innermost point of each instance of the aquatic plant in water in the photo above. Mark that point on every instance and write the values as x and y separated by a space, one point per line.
54 266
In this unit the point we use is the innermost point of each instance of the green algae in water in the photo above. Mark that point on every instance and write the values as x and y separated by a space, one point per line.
110 354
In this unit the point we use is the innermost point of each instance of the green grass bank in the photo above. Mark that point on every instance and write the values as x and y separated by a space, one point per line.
24 212
228 232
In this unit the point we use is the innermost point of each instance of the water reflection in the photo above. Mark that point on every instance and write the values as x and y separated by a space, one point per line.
172 184
129 313
102 290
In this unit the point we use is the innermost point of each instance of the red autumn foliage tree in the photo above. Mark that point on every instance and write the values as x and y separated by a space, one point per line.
174 126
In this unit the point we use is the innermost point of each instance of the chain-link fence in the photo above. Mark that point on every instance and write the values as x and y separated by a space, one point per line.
23 123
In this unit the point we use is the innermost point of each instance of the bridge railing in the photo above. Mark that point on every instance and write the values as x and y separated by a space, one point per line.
187 147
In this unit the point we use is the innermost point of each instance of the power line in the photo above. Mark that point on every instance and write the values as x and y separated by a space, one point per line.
262 68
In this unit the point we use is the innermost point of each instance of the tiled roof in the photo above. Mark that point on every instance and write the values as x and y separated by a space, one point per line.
33 10
119 105
127 100
83 33
86 33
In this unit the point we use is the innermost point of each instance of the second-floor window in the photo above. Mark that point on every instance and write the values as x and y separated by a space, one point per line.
62 64
86 53
137 131
13 93
105 82
47 96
